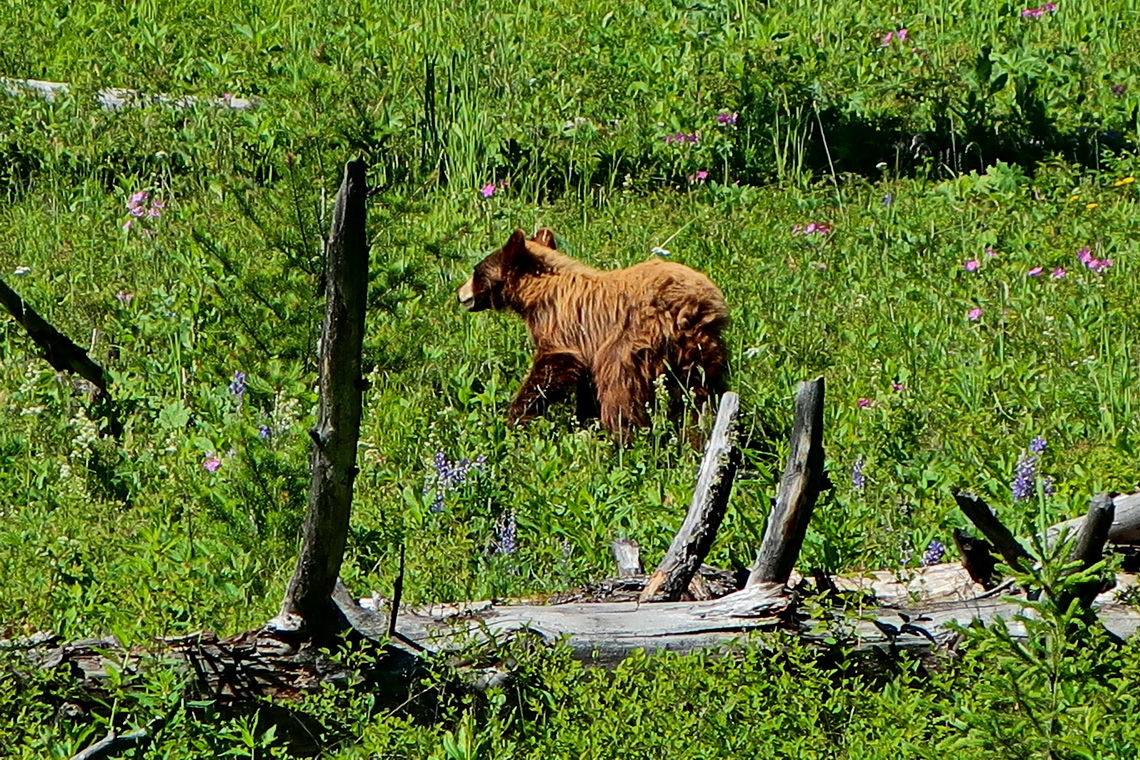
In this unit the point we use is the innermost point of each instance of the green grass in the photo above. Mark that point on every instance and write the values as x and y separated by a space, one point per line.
985 130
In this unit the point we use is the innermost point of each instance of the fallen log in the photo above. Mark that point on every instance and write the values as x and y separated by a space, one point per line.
114 98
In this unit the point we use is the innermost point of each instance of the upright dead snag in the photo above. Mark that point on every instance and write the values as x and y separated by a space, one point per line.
308 600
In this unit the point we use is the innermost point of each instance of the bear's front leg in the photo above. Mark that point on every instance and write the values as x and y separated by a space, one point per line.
551 378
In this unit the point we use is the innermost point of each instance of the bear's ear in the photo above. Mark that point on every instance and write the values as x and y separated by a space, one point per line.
514 252
544 237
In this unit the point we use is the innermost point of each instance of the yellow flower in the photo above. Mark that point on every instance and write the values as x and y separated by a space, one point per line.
1073 198
1091 205
1124 181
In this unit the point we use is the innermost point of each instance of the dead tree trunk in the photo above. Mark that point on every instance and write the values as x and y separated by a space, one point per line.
799 489
307 605
706 511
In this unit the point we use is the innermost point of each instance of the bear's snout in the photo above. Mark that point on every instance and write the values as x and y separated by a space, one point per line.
466 295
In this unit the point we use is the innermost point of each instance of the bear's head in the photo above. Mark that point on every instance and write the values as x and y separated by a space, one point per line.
489 287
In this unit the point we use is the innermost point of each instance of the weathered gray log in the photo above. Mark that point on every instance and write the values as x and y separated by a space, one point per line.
706 510
606 633
799 490
307 604
1125 528
627 555
995 532
114 98
1088 549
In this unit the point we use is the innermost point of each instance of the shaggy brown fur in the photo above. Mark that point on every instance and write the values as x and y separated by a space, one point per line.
606 336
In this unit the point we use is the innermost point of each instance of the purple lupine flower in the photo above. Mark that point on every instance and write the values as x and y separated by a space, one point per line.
264 432
1025 479
1048 486
933 554
237 385
858 479
727 119
506 531
1038 444
448 476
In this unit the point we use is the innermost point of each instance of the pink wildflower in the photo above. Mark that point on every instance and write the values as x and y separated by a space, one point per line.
900 35
1058 273
212 463
971 265
974 314
488 190
700 176
887 39
1035 271
863 403
990 252
898 387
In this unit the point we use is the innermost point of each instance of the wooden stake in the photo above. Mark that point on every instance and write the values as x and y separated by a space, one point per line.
992 528
799 490
706 511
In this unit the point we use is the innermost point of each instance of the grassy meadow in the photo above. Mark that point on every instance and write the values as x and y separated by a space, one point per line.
932 204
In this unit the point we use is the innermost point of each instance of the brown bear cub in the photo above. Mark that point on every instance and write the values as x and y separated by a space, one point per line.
604 336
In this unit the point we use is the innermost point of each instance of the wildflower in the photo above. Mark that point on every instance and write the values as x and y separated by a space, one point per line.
863 403
1024 478
658 251
488 190
212 463
812 228
974 314
1035 272
506 531
858 479
1092 262
972 265
990 252
1119 89
264 432
1091 205
700 176
1048 486
123 297
1038 444
727 119
898 387
1058 273
21 271
1032 13
887 39
448 476
237 385
900 35
143 204
1124 181
933 554
888 199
